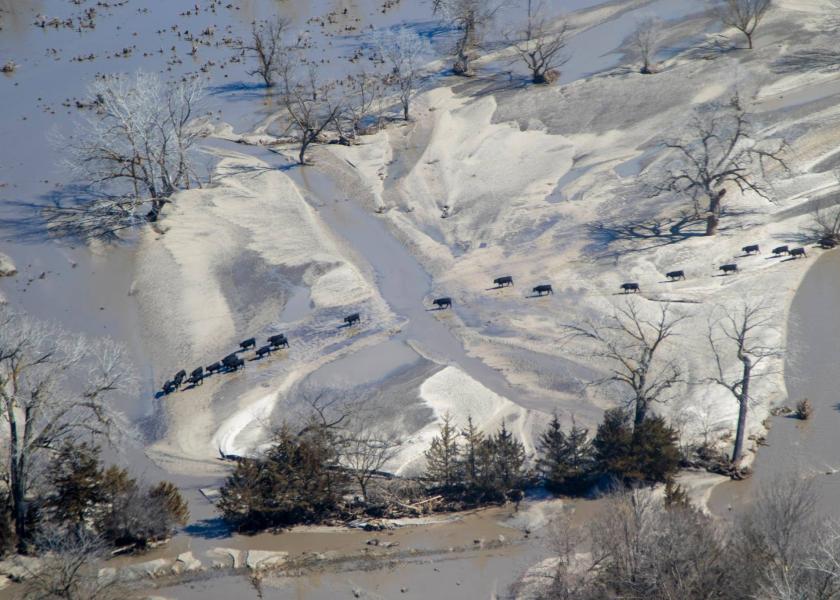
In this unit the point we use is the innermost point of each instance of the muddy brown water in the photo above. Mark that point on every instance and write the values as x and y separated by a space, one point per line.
809 449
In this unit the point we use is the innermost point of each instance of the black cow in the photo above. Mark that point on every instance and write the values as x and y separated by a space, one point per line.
797 252
630 287
179 378
263 350
827 243
780 250
249 343
278 341
503 281
214 368
751 249
230 360
197 376
542 289
731 268
351 319
168 387
442 303
674 275
236 363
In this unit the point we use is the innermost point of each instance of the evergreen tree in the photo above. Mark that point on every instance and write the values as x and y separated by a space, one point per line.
655 454
565 461
510 461
75 478
552 462
443 464
298 481
612 443
167 501
473 442
649 453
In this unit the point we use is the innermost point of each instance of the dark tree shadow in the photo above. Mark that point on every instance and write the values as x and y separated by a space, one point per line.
209 529
807 60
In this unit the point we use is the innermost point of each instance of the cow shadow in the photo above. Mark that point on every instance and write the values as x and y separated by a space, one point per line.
497 287
790 258
538 295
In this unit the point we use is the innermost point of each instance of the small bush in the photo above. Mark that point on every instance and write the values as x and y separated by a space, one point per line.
803 409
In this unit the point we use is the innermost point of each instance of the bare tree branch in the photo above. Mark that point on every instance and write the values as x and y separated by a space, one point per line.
633 348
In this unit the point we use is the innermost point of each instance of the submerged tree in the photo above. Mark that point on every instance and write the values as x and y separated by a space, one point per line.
744 15
470 17
311 106
403 52
54 389
133 149
268 48
633 348
719 148
739 335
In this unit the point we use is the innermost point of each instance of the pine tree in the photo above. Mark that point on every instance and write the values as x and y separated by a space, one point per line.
565 460
443 465
473 443
510 460
612 443
654 451
75 477
581 458
552 461
169 503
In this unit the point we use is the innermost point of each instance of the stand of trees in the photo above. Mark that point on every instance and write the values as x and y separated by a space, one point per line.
646 547
55 393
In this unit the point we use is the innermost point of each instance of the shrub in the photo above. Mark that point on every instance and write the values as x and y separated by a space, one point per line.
298 481
803 409
647 454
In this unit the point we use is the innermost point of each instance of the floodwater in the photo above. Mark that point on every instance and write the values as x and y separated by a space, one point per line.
89 291
809 449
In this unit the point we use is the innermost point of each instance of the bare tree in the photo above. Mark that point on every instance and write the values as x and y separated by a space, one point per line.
403 52
365 453
738 335
69 569
540 46
53 388
825 224
364 92
310 105
133 148
645 41
744 15
634 350
719 148
267 47
470 17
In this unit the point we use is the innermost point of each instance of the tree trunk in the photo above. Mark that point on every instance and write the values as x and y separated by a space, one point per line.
304 144
743 402
713 218
640 413
749 40
405 110
17 483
